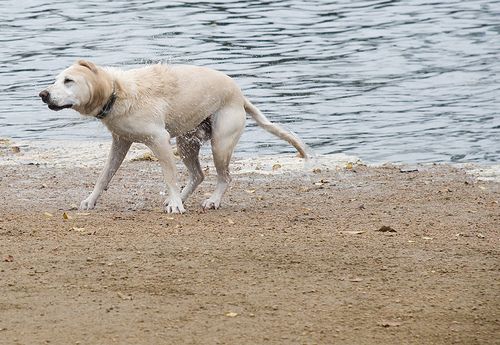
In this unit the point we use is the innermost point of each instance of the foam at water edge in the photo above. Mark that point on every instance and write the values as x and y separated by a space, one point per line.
65 153
483 172
58 153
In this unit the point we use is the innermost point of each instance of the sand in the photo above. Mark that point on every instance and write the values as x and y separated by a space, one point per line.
326 253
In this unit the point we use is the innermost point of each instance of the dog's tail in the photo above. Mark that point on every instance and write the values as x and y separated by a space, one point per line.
275 129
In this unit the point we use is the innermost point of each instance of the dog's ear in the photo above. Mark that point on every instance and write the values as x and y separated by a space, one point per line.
90 65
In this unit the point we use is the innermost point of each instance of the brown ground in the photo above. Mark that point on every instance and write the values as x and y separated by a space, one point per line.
281 263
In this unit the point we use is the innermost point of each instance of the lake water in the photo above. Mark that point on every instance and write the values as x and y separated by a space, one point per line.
402 81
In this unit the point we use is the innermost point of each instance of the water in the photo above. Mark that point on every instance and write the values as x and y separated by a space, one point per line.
402 81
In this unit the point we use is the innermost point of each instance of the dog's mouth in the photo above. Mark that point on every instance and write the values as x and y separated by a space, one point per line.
58 107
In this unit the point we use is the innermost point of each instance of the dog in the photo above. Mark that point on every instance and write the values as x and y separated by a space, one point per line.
155 103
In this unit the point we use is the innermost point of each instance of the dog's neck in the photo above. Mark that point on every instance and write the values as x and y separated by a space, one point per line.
106 109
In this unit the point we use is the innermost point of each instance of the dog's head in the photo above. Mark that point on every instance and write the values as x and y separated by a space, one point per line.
83 87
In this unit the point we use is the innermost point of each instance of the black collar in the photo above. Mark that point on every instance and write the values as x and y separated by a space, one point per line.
106 109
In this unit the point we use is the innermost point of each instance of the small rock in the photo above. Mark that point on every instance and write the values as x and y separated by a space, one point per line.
386 228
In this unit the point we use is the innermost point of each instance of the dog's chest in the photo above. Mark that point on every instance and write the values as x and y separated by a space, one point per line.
134 128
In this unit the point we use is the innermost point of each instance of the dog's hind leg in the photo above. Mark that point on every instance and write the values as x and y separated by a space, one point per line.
189 148
227 126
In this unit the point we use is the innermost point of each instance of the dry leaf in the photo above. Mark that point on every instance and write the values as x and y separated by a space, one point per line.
66 216
124 297
146 156
349 166
276 166
390 324
232 314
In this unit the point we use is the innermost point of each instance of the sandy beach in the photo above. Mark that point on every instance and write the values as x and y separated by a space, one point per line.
330 252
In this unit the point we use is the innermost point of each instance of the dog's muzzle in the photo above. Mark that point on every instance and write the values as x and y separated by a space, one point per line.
45 96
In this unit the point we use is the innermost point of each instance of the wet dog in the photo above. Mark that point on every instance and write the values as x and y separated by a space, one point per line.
153 104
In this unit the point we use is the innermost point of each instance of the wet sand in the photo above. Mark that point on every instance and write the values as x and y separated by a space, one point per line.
294 256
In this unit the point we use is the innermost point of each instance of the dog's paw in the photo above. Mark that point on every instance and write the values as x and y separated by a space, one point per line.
173 206
87 204
210 204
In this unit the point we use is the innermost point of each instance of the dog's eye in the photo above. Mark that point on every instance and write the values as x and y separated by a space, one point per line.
67 81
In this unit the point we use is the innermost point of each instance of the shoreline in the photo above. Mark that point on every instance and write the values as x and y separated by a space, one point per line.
59 153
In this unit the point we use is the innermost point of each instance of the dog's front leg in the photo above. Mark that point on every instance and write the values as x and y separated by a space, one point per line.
119 149
160 145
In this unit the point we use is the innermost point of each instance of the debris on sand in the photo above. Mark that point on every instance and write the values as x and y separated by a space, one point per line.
385 228
124 296
145 157
352 232
387 324
408 170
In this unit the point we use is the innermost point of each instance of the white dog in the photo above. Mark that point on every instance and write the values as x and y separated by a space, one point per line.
153 104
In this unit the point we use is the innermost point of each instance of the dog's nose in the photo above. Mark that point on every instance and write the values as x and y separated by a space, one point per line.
44 95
